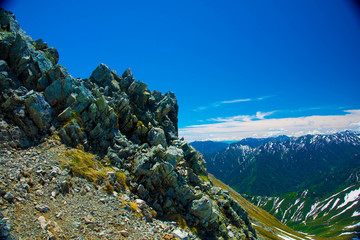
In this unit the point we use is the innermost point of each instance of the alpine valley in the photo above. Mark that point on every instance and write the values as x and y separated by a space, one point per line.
310 183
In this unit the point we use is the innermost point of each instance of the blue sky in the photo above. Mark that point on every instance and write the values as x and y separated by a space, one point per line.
238 68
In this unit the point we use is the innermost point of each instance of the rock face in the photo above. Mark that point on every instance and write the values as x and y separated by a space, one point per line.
113 116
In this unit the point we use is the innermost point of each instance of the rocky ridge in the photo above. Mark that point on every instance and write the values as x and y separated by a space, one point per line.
131 130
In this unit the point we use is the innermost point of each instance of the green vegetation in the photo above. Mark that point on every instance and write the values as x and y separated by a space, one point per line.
329 222
83 165
109 188
205 178
178 219
121 178
136 210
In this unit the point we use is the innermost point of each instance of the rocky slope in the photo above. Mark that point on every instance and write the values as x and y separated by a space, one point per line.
43 200
131 131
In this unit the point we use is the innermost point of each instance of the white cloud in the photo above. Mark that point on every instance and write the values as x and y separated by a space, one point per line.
261 115
355 124
238 127
242 118
218 104
236 101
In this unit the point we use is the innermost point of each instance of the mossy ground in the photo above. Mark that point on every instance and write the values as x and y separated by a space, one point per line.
83 164
121 178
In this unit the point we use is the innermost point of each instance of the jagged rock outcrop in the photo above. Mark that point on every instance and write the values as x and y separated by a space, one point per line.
113 116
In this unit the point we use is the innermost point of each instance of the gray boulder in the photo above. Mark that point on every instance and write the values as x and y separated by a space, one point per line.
102 75
59 90
157 136
52 54
72 134
127 73
205 209
7 79
39 111
174 155
180 234
12 136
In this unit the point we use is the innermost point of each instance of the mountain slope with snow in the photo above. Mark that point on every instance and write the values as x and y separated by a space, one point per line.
321 162
337 215
310 183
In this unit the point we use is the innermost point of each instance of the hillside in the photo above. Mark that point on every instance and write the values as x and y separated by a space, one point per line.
266 225
208 147
121 145
319 162
309 183
335 216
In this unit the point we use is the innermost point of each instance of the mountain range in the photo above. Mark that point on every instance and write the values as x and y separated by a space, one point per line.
304 162
303 181
209 147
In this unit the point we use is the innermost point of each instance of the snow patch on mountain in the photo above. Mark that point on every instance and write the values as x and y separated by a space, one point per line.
345 210
350 197
353 226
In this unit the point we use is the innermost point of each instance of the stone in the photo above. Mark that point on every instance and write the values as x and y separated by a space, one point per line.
55 171
39 110
137 88
7 21
127 73
174 155
42 61
59 90
202 208
40 44
43 223
76 224
7 79
12 135
39 192
141 203
102 75
82 99
124 233
112 176
42 208
65 187
56 73
157 136
178 233
72 134
59 214
65 115
142 192
9 197
113 116
52 54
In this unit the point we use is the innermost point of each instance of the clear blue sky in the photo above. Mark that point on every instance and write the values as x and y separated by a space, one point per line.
238 68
